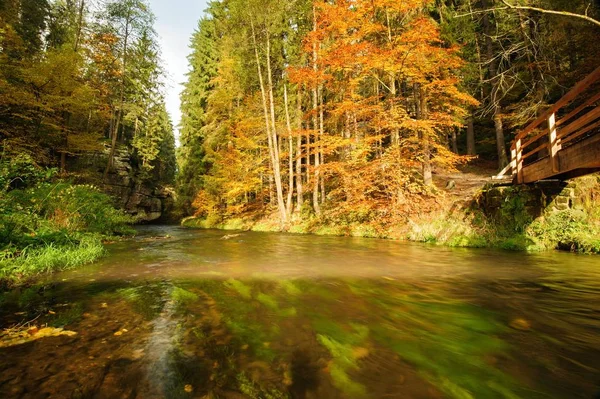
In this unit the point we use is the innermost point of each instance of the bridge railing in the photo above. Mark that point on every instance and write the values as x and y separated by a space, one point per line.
547 133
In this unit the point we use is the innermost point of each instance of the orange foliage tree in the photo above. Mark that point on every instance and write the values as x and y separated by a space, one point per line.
386 96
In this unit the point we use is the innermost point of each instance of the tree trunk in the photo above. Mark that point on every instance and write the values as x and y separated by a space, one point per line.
79 25
427 172
471 137
454 142
321 133
393 90
316 205
290 155
501 146
115 131
271 137
421 114
277 166
299 186
495 101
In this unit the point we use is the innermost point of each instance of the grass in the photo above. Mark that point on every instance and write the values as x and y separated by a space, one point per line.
49 224
50 258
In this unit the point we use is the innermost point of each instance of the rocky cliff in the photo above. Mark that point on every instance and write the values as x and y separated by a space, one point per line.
138 196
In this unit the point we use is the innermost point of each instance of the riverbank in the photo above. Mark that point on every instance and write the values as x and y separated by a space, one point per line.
49 224
520 219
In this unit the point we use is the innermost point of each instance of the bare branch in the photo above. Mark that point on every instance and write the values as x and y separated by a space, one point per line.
510 6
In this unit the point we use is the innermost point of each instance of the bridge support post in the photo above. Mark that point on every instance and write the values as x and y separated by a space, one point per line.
518 160
553 142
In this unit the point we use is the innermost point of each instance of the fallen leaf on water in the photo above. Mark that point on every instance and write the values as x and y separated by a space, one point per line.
520 324
188 388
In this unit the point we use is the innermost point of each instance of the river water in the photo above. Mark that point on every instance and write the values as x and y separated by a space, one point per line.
178 313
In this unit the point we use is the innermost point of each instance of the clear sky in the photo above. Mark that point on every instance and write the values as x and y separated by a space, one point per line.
176 20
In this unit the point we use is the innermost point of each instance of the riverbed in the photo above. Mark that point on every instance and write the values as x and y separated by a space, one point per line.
176 313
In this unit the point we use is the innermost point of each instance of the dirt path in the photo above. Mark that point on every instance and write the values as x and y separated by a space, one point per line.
461 186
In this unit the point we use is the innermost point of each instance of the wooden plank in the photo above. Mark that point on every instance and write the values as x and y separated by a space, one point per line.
540 170
579 123
534 138
582 132
566 99
577 110
503 172
535 150
585 154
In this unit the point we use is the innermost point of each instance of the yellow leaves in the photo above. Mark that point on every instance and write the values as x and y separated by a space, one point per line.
18 336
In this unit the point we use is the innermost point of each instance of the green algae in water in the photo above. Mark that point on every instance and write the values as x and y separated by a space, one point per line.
183 297
65 317
267 300
254 390
239 287
345 354
147 300
463 338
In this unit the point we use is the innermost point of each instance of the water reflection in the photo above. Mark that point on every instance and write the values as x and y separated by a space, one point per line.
278 316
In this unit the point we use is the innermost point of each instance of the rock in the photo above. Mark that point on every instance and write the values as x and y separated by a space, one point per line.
139 197
230 236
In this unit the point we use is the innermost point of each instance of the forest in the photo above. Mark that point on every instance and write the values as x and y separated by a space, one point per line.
81 88
344 116
322 222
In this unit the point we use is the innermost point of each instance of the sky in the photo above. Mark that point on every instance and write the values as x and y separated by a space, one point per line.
176 20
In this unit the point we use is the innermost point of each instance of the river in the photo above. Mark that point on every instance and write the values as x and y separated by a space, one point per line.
177 313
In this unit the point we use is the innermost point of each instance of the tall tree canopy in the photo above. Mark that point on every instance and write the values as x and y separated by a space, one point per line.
347 108
74 81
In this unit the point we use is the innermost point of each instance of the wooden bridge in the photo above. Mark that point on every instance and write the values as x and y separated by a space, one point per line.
562 143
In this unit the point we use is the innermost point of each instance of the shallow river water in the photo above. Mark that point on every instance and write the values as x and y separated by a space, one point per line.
180 313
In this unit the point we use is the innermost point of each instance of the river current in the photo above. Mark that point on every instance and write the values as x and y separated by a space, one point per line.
177 313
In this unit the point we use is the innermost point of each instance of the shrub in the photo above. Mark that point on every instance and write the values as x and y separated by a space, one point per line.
48 224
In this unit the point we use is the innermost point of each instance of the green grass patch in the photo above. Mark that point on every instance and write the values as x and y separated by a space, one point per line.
50 258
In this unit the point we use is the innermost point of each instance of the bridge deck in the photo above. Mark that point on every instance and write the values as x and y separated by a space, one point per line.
564 142
577 160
